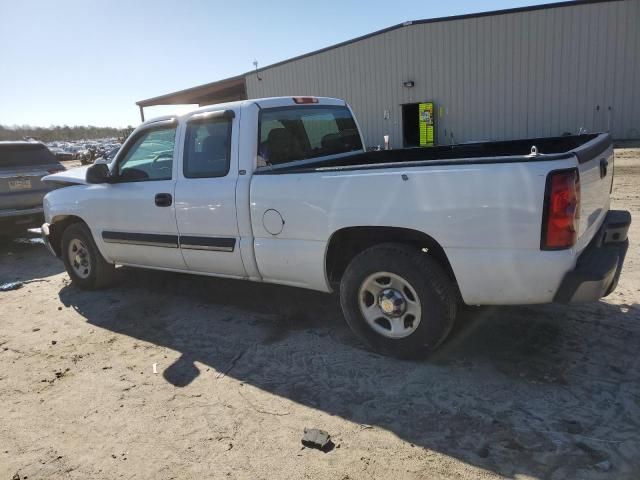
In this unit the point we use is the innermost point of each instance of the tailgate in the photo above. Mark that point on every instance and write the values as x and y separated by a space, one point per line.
22 188
595 163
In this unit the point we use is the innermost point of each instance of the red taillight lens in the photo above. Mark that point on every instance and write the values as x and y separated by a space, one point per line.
562 214
305 100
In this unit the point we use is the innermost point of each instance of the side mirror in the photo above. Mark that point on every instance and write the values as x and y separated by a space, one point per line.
98 173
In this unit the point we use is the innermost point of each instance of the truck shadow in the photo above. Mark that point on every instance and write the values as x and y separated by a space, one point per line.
544 391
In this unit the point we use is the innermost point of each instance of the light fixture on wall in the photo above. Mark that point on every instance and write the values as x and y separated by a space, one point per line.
409 83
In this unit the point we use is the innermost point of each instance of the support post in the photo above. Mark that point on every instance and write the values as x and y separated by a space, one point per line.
141 113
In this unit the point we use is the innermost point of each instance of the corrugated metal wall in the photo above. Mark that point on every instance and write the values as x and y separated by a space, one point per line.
525 74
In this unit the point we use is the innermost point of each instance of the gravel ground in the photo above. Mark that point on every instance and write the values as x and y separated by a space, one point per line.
527 392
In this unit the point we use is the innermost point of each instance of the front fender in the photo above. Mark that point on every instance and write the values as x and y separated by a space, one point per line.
62 202
63 207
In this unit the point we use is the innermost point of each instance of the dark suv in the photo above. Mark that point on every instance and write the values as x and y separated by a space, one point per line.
22 166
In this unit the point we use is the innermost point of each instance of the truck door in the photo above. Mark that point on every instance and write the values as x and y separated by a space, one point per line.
206 195
135 215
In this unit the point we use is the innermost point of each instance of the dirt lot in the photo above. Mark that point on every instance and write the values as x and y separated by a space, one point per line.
528 392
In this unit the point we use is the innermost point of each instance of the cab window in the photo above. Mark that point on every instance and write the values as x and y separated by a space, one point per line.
301 132
207 148
150 157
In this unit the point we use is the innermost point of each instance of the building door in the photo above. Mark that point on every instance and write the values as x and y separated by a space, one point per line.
418 126
410 127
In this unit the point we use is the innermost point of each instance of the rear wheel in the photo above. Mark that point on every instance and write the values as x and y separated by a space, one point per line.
398 299
85 265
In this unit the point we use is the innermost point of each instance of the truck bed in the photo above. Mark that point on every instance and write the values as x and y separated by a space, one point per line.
512 151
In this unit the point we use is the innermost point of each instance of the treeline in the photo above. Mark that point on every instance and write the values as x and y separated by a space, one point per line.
61 133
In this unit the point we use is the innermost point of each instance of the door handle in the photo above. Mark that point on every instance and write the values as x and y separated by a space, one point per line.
163 199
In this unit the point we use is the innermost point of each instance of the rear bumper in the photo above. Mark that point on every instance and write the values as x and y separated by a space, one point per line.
598 268
21 219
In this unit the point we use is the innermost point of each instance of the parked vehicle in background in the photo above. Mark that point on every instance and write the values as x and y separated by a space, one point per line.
88 155
108 157
22 166
60 154
74 150
280 190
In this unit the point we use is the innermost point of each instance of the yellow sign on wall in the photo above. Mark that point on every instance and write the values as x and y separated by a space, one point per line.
425 121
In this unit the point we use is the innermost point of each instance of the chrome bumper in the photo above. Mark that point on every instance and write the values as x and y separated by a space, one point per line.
45 237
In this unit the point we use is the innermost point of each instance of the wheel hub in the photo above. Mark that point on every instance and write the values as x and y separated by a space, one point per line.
79 258
392 302
389 304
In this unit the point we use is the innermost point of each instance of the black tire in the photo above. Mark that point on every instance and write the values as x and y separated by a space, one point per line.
100 274
436 293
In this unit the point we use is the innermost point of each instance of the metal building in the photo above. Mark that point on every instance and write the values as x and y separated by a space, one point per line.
525 72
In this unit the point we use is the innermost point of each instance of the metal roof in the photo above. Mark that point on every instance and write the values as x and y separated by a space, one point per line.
228 89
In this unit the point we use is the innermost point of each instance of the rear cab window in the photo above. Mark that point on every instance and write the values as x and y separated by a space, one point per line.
289 134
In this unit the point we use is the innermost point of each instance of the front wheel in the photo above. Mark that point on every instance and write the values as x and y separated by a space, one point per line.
398 300
85 265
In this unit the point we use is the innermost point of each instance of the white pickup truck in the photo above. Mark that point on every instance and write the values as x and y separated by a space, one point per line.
280 190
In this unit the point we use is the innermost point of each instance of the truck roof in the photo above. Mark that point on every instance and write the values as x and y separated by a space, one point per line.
267 102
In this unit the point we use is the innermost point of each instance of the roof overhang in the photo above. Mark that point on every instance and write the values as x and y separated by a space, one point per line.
227 90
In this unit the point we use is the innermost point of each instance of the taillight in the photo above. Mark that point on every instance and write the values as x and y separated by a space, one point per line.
305 100
561 210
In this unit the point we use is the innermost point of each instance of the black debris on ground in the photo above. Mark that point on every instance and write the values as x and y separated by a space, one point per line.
6 287
318 439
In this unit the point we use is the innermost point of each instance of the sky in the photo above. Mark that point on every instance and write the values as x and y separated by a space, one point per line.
86 62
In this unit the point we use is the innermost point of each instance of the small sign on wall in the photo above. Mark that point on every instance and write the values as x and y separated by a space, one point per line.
425 122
